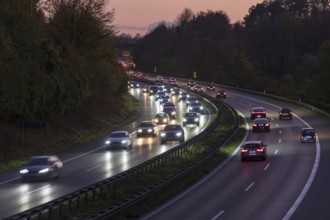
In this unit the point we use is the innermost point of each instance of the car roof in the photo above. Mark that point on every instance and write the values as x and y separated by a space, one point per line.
252 142
195 103
191 114
307 129
261 119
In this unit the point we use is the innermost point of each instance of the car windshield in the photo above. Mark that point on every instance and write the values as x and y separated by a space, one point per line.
258 110
146 124
165 109
117 134
308 132
252 146
38 161
285 110
190 114
195 104
172 128
261 120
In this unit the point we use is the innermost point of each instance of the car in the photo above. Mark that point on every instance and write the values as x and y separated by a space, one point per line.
198 88
175 91
134 85
161 118
221 94
190 83
164 99
153 90
167 89
172 81
190 118
183 96
145 89
41 167
160 94
285 113
168 104
210 87
173 132
191 99
147 128
308 135
253 149
261 124
258 112
171 111
119 139
159 78
195 107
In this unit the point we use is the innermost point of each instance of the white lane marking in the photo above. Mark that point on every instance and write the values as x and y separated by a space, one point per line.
44 187
280 132
220 213
202 181
93 168
276 151
267 166
10 180
308 183
313 172
249 187
279 140
276 124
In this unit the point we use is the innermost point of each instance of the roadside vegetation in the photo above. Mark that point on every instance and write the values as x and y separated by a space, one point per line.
281 47
58 65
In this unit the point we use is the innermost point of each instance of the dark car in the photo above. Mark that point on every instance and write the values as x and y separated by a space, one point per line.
210 87
164 99
145 89
147 128
195 107
119 139
173 132
253 150
221 94
190 83
160 94
168 104
172 81
175 91
191 99
198 88
261 124
308 135
285 113
153 90
258 112
183 96
190 118
161 118
134 85
42 167
171 111
159 78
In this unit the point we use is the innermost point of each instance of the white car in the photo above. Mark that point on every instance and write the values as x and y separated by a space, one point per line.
119 139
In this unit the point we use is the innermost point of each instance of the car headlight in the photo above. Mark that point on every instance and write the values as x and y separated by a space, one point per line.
107 142
196 119
24 171
149 130
172 113
179 134
184 119
165 120
156 120
162 134
124 141
139 130
201 107
44 170
190 108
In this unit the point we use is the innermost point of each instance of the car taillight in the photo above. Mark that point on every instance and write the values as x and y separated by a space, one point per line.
244 150
267 124
254 125
260 149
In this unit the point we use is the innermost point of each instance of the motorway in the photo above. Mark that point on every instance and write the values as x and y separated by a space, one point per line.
293 183
90 162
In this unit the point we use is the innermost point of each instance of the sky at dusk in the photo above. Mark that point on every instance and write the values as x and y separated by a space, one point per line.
137 16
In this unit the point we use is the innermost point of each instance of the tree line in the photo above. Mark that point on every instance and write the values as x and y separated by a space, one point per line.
55 56
281 46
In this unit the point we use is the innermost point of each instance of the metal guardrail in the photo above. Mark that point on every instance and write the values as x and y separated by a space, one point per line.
83 195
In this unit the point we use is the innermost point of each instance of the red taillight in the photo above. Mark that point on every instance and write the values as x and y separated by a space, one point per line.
260 149
267 125
254 125
244 150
